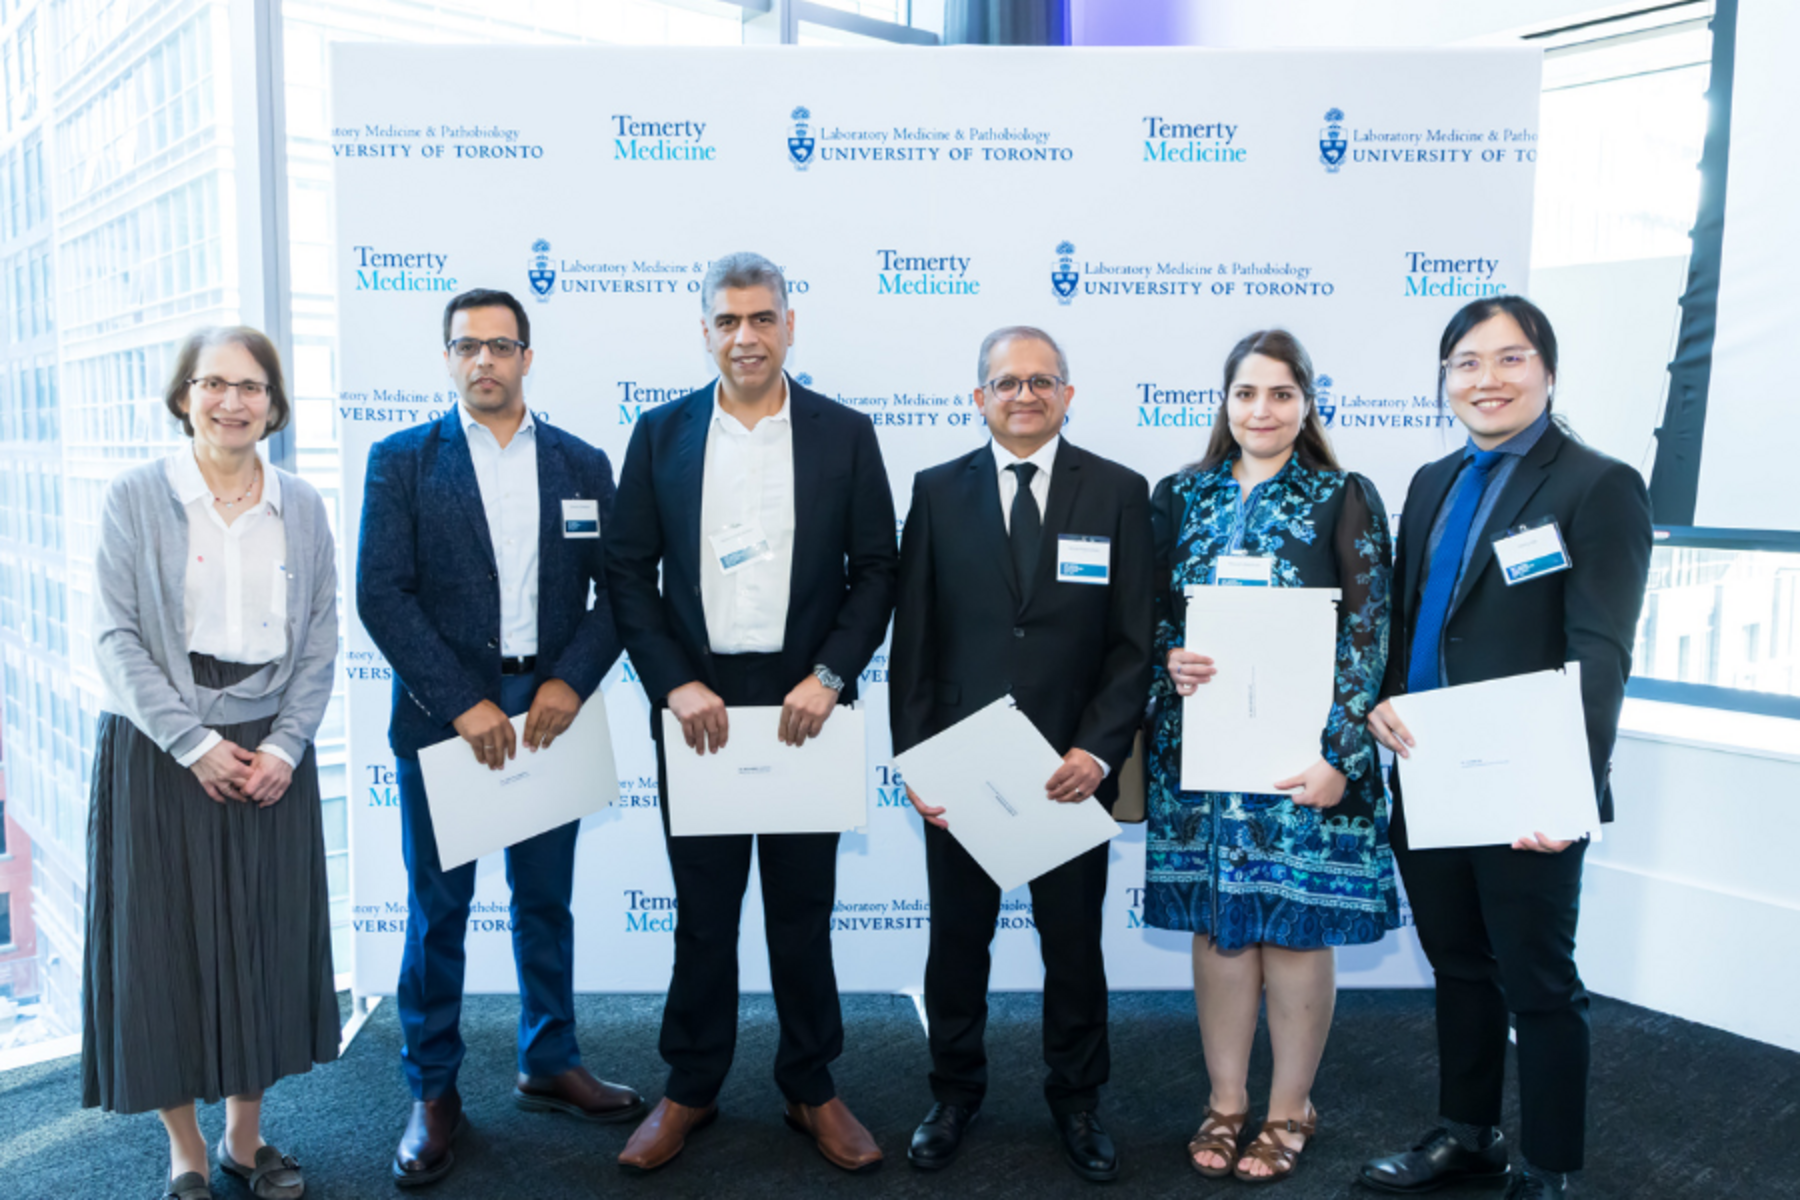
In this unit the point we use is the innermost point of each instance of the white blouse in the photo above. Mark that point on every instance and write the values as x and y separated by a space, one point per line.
236 593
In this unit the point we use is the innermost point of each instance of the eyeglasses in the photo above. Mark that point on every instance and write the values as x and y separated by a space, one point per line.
1042 386
1508 365
470 347
249 389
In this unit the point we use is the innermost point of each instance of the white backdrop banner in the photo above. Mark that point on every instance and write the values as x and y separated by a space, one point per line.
1147 207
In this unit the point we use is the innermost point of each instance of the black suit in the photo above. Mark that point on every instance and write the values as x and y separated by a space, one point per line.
841 595
1076 657
1499 924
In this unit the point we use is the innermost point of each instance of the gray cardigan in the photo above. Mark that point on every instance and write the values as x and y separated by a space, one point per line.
140 637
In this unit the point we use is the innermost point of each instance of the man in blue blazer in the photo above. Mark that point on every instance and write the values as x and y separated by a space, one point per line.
481 538
766 512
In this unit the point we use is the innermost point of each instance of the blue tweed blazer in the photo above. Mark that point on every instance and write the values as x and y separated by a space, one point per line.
427 582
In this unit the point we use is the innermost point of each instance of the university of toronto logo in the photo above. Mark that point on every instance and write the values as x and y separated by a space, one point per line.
800 146
803 379
1332 143
542 275
1065 276
1322 397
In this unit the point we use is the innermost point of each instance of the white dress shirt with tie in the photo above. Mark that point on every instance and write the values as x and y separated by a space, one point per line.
508 479
748 480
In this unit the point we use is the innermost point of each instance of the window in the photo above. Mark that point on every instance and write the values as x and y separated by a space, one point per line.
6 936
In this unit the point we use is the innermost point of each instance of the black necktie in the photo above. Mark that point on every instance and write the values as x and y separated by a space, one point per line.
1026 523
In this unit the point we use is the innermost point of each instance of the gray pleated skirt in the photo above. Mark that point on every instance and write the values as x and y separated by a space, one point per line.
208 960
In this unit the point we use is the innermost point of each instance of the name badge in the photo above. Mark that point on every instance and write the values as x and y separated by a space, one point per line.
738 546
581 518
1531 553
1083 559
1244 570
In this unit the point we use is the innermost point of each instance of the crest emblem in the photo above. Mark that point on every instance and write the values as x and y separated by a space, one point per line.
800 144
803 379
541 274
1332 143
1064 278
1322 398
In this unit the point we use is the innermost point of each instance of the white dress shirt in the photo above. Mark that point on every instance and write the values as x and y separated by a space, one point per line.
748 480
1043 458
235 594
508 479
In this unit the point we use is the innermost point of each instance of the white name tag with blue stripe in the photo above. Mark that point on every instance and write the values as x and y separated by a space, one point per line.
581 518
1083 559
1531 553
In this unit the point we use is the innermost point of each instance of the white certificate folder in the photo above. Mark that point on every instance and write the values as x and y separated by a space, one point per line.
987 772
1260 717
1498 761
476 810
759 784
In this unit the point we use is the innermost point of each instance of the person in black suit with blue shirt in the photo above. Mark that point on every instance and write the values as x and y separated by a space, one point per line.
1498 922
763 510
987 608
481 538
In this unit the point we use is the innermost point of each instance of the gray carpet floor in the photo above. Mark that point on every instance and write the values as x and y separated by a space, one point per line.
1678 1110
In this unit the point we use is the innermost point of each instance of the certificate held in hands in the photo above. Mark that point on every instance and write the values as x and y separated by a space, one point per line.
759 784
988 773
476 810
1258 720
1498 761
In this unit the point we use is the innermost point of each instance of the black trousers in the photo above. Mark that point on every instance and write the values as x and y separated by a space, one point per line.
1499 928
799 886
1065 906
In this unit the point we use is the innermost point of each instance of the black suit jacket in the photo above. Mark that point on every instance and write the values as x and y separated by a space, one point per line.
1075 656
1586 614
841 591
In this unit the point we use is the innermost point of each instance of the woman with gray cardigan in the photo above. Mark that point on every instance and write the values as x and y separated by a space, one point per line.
208 966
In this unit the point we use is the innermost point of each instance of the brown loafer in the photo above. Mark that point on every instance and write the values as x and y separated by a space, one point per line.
424 1155
837 1133
663 1135
577 1093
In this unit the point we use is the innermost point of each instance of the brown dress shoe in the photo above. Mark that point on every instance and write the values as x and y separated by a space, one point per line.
579 1094
424 1155
663 1135
839 1136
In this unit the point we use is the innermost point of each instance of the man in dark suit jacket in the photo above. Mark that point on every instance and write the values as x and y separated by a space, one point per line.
481 539
1498 922
767 512
987 609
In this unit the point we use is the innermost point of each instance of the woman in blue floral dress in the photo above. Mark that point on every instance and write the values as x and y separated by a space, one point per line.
1269 884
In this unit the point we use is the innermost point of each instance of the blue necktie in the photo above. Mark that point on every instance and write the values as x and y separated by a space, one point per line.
1446 564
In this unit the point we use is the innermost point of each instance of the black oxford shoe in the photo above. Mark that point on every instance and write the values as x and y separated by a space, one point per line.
1087 1147
939 1136
1437 1161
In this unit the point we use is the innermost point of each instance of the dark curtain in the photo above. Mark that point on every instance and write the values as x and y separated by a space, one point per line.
1675 478
1006 22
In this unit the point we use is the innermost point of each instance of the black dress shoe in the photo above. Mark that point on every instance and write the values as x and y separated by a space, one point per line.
1087 1147
424 1155
939 1136
1534 1187
1437 1161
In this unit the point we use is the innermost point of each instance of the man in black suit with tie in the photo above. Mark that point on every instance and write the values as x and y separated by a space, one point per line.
765 511
986 608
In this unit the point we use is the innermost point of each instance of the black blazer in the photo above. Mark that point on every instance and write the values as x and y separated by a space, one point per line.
427 585
841 591
1075 656
1587 613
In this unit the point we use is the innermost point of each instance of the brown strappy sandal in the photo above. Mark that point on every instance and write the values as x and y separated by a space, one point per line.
1275 1154
1219 1134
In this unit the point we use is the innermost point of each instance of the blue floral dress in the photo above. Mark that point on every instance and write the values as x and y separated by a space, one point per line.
1246 868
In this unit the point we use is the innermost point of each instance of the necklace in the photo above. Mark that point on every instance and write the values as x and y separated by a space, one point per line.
255 476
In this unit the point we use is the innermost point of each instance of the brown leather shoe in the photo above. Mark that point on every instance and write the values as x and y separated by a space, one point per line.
579 1094
663 1135
424 1155
839 1136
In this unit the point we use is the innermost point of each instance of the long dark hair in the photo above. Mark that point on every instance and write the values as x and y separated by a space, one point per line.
1312 447
1532 322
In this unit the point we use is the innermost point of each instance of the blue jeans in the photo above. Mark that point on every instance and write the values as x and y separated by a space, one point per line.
541 873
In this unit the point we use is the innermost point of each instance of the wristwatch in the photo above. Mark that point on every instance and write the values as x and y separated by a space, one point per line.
828 677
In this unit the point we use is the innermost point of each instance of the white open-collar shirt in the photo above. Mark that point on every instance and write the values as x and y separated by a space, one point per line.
508 479
748 479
